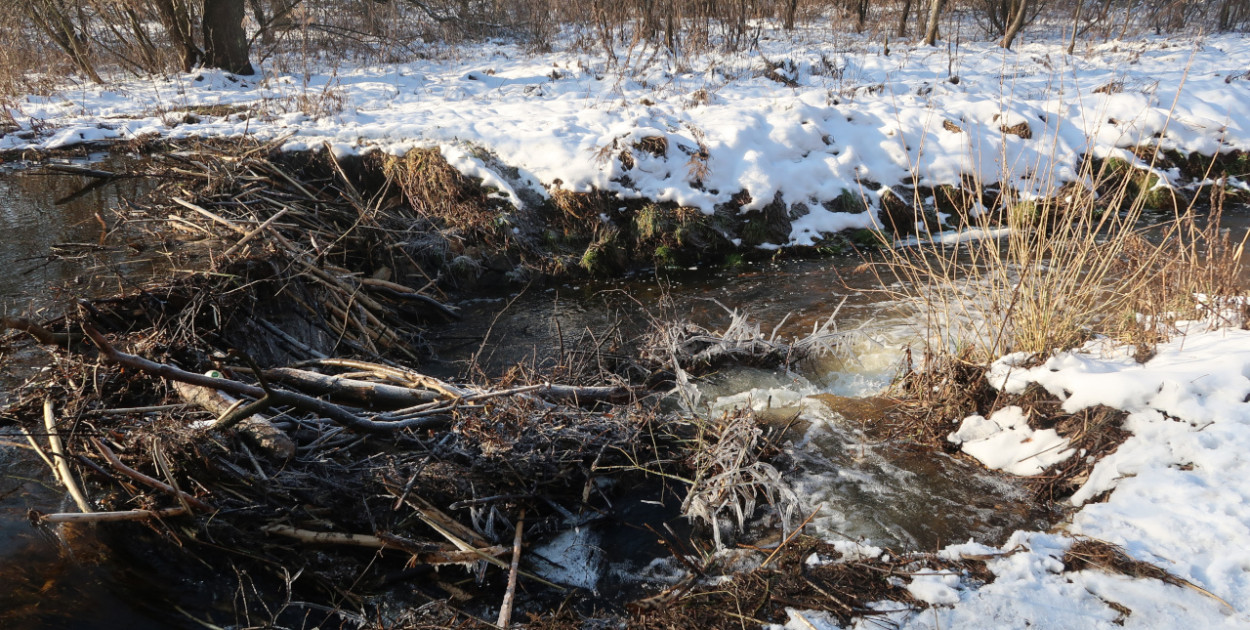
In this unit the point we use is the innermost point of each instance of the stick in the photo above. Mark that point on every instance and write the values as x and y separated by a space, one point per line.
187 204
505 611
106 517
794 533
373 394
62 465
148 481
41 334
250 235
121 411
414 378
424 554
281 397
38 449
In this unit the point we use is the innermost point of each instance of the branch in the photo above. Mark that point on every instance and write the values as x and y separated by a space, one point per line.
277 396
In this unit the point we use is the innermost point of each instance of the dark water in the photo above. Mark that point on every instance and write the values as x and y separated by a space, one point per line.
50 254
54 252
63 577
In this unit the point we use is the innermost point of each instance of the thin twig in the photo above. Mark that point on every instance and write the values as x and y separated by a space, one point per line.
505 611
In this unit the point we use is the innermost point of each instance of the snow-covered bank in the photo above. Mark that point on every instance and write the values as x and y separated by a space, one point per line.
801 123
1179 498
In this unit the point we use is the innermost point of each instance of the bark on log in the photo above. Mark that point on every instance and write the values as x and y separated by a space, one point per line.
346 389
279 397
257 428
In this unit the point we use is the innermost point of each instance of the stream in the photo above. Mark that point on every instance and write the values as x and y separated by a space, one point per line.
888 494
52 253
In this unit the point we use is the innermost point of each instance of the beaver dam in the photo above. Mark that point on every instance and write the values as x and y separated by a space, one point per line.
294 424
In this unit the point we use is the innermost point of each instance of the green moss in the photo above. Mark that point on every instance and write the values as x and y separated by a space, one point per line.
734 261
1024 213
605 255
866 238
950 200
851 201
754 230
652 221
1116 166
665 256
1139 184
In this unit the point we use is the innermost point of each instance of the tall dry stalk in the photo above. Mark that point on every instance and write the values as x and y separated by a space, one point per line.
1049 271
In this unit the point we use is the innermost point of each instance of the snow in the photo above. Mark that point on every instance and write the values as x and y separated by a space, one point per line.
858 120
572 558
937 588
1006 442
1179 495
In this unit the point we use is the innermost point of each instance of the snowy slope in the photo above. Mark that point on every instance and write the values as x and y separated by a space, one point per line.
855 119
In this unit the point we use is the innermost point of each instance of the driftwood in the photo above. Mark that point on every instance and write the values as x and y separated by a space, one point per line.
346 389
421 553
505 610
269 438
105 517
61 469
281 397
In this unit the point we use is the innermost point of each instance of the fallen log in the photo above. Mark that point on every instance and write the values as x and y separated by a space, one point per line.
267 437
322 408
364 392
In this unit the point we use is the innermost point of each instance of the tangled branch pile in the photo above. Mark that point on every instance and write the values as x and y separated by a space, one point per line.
266 411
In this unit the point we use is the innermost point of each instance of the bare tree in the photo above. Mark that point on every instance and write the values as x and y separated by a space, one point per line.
65 25
931 28
1017 10
225 41
175 16
791 8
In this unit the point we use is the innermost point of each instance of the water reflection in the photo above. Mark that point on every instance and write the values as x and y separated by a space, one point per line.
80 243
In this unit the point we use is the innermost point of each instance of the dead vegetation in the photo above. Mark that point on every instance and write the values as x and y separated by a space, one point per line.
262 414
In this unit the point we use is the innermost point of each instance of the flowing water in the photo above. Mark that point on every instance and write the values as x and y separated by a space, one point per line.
891 494
888 493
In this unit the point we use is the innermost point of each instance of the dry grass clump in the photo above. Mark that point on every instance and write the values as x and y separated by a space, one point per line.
730 478
785 586
438 191
1075 262
1091 553
698 350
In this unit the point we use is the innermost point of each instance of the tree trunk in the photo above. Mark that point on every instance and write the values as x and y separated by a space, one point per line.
792 7
902 20
1017 21
176 19
1076 27
225 41
931 29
